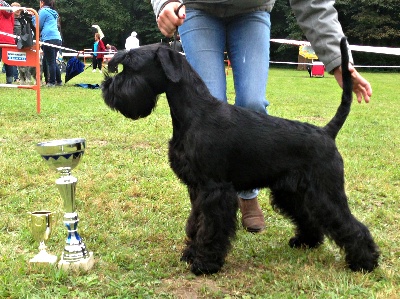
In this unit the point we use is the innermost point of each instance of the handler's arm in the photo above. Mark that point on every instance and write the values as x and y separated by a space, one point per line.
319 22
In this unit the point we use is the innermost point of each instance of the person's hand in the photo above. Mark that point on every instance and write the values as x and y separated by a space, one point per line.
168 21
361 87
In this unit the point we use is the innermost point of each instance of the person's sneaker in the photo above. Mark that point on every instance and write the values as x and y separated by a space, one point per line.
59 84
94 71
252 216
50 85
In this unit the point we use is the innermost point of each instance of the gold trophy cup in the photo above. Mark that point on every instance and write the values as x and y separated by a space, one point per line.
63 156
41 224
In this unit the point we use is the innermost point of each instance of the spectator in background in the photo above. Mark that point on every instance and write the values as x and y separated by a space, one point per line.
7 25
132 41
17 31
98 52
111 48
50 34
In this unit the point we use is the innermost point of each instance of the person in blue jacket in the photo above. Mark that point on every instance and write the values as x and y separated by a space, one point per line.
49 33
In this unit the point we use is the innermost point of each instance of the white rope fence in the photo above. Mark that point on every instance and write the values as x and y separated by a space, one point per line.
356 66
52 45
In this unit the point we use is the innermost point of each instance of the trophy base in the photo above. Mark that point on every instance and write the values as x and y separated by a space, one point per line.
44 258
84 264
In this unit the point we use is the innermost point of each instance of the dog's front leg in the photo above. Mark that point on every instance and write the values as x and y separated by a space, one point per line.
189 252
212 226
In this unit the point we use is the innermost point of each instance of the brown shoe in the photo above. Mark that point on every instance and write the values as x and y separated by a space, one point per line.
252 216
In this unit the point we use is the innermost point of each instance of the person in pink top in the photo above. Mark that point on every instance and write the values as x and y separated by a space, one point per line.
7 26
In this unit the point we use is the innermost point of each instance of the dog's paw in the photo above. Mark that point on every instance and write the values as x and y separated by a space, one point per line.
200 268
365 261
363 266
306 242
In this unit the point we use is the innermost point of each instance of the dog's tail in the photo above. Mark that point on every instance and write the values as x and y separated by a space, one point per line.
336 123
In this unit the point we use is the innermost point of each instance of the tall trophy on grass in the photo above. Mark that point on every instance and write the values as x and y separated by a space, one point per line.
41 225
63 156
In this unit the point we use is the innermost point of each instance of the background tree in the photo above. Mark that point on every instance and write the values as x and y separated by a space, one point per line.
371 23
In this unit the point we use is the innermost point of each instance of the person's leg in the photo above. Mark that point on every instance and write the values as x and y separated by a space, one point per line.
94 63
203 39
50 59
21 74
57 68
44 71
100 63
248 38
6 69
15 74
9 73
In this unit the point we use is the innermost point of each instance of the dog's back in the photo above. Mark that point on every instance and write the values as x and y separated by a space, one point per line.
336 123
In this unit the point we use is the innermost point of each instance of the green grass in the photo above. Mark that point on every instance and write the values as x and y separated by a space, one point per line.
133 209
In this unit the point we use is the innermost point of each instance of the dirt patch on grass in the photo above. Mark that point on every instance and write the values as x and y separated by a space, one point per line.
196 288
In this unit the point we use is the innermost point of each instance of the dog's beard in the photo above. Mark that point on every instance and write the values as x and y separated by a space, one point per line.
129 94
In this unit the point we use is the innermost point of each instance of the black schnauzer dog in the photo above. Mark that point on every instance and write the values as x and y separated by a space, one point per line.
217 149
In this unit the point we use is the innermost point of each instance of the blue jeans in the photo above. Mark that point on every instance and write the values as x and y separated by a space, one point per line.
246 39
49 57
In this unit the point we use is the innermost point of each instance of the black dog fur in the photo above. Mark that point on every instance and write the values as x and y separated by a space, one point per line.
217 149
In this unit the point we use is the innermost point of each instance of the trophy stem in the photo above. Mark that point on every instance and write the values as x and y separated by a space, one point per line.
75 253
42 246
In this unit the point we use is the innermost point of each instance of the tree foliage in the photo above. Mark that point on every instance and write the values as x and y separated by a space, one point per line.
371 22
365 22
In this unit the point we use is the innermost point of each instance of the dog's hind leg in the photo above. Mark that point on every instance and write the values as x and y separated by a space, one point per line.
214 219
290 204
337 222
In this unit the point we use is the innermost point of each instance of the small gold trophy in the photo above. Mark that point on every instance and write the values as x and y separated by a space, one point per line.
41 223
63 156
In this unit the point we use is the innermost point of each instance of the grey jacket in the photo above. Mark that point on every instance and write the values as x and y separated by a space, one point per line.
317 18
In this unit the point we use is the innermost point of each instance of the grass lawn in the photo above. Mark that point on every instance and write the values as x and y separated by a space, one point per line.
133 209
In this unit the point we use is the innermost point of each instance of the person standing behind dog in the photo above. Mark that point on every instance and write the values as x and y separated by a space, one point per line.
207 29
7 26
49 33
98 52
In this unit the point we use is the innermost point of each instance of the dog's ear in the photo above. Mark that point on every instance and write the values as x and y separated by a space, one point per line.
171 62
